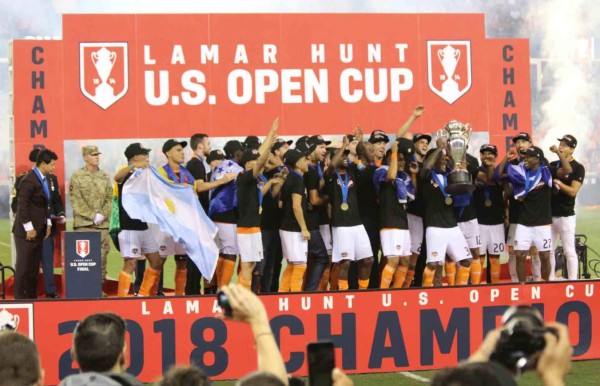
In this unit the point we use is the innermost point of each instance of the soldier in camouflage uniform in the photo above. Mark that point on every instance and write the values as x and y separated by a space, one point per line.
90 193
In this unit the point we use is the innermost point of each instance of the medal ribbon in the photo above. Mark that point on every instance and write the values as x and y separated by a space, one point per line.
343 186
486 192
441 184
43 182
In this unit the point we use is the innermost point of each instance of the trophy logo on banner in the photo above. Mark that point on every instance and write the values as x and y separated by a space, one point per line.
103 72
83 247
17 317
449 68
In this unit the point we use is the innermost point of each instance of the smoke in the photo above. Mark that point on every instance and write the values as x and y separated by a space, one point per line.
569 86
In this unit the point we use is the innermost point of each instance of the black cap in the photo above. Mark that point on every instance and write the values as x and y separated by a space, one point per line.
489 147
293 155
231 147
249 155
171 143
317 140
215 155
252 142
419 136
523 136
406 147
305 147
535 151
378 136
135 149
33 154
569 140
279 143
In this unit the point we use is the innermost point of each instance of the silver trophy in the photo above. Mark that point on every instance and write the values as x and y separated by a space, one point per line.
457 134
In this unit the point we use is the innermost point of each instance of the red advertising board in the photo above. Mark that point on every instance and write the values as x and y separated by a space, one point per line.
232 74
373 331
134 76
38 99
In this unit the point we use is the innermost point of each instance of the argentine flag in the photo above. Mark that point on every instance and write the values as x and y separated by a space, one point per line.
148 197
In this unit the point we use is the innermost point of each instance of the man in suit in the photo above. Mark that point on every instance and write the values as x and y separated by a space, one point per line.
57 214
32 224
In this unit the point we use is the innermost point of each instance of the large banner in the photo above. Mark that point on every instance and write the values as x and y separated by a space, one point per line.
136 76
373 331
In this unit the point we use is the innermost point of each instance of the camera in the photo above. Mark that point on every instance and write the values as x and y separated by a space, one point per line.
521 339
223 302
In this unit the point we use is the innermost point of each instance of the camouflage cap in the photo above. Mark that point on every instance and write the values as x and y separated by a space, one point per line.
93 150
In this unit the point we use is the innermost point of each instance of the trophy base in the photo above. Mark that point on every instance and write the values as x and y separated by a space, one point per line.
459 181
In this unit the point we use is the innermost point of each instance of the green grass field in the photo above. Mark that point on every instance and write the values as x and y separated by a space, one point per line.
582 373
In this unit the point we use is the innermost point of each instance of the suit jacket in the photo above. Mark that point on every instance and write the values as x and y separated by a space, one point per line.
56 202
33 206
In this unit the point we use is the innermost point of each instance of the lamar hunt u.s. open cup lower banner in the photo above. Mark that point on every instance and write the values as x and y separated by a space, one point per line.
373 331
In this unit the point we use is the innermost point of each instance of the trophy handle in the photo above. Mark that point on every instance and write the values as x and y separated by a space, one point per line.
440 56
457 55
94 57
113 58
16 318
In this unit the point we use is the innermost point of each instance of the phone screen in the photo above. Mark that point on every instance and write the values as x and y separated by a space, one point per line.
321 361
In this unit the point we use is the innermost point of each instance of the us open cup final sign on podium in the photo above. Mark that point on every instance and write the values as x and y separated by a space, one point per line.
82 265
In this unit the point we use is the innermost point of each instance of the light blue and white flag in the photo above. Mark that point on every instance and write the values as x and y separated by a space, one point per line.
148 197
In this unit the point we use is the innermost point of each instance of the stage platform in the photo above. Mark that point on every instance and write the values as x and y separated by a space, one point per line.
373 330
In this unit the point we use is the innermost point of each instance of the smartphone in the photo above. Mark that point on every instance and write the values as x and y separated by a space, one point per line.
321 362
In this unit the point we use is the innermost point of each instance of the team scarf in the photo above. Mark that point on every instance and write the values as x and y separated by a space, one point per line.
405 189
224 197
185 177
524 180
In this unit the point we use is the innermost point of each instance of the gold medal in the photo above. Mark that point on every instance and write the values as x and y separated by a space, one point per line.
488 203
280 204
521 199
260 209
345 206
448 201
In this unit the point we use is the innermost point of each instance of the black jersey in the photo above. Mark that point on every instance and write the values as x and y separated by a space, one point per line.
367 197
197 169
437 212
392 207
491 213
271 213
294 184
126 222
248 199
563 205
339 217
313 215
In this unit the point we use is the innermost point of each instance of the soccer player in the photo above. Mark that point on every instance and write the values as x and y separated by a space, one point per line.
467 222
269 269
394 187
252 186
293 229
135 238
350 239
442 235
532 184
318 257
490 207
223 211
568 176
522 142
379 141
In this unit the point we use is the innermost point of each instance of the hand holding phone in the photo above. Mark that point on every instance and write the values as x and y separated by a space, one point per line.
321 362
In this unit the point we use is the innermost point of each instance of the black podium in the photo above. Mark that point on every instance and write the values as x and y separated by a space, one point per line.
82 265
